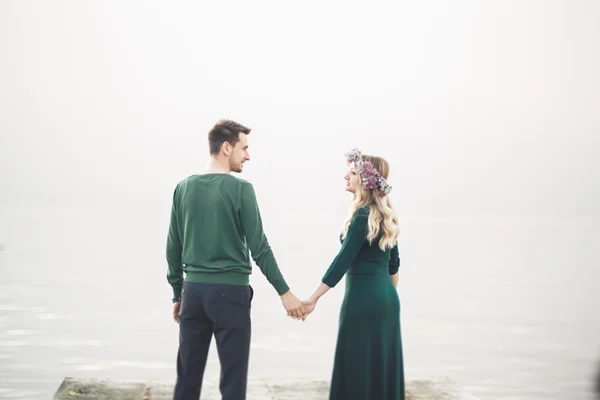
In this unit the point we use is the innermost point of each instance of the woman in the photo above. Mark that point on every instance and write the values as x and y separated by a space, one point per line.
368 358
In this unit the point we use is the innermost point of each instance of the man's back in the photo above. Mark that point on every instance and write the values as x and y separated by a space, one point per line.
215 220
208 212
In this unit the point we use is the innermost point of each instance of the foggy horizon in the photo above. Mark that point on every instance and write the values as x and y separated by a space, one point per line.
488 113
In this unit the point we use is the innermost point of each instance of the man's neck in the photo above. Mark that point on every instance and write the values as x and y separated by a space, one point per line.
217 166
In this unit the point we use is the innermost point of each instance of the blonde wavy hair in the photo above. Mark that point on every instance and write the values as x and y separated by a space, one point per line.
382 216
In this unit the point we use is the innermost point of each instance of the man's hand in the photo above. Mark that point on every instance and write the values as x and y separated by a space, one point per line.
176 308
292 305
309 306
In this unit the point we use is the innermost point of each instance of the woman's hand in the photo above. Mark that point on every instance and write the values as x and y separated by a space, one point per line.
309 306
292 305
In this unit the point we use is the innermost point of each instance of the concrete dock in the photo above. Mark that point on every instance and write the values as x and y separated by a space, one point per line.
77 389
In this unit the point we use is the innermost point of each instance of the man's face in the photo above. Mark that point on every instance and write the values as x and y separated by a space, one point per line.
239 154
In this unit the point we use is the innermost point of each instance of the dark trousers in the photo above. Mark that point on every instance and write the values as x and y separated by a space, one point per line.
222 310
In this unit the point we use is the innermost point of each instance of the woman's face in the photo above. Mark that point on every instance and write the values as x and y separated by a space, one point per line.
352 178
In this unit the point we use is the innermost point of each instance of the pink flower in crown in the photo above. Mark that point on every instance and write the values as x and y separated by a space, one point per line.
369 175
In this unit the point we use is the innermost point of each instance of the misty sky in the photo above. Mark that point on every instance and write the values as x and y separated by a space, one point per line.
481 107
487 110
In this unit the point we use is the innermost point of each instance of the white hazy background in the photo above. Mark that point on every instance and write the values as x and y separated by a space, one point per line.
488 112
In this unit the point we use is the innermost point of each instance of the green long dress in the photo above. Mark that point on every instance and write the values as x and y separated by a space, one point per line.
368 357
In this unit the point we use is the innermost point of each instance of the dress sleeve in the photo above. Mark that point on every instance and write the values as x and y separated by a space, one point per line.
354 241
394 263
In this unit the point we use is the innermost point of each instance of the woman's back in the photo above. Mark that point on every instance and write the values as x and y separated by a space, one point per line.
370 258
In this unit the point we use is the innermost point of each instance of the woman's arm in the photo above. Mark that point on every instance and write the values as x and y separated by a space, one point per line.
309 305
394 265
395 279
321 290
351 246
354 241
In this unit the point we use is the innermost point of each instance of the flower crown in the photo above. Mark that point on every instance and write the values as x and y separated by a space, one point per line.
370 177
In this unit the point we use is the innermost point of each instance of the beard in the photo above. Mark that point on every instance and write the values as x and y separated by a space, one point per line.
235 167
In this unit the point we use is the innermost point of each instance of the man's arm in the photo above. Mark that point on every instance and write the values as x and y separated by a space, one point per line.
174 250
261 251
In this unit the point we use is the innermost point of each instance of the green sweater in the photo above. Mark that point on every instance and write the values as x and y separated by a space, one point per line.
215 224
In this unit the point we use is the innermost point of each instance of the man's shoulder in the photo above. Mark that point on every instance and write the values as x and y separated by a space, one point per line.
183 182
186 179
241 181
207 178
228 177
236 181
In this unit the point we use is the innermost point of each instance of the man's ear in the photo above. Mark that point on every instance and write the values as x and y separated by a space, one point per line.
226 148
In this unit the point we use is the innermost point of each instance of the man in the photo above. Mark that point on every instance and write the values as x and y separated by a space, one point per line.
215 221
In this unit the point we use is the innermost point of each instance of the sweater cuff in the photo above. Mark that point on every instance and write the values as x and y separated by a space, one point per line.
177 291
281 287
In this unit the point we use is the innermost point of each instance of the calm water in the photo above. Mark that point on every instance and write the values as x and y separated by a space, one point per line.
503 306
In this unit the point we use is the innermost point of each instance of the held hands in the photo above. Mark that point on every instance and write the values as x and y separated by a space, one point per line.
309 307
292 305
310 304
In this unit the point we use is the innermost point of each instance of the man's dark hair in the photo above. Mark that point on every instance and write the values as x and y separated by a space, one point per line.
225 130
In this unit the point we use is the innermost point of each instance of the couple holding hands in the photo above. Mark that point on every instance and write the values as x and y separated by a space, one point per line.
216 227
